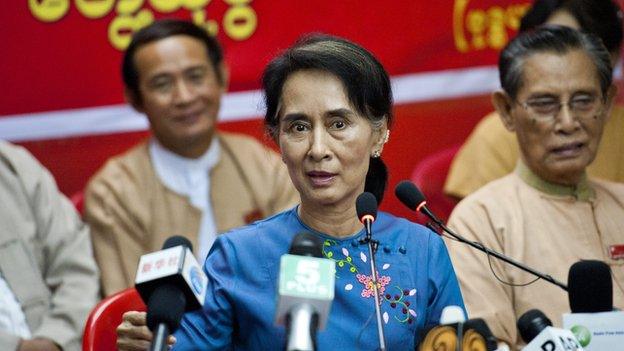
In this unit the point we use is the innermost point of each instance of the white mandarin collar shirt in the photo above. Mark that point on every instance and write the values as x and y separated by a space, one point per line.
191 178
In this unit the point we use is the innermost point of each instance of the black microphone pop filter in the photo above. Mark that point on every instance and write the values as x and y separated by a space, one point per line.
590 288
480 326
166 305
409 194
306 244
177 240
366 205
531 323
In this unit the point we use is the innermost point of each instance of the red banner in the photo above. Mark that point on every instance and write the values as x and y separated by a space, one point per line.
62 92
63 54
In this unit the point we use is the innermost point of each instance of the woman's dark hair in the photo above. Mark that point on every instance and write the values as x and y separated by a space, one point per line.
602 18
555 39
160 30
365 79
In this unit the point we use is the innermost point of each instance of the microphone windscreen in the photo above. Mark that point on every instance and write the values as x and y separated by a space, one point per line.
177 240
409 194
531 323
480 326
366 204
306 244
166 305
590 288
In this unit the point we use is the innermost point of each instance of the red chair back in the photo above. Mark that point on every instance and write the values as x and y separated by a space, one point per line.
99 333
430 175
77 200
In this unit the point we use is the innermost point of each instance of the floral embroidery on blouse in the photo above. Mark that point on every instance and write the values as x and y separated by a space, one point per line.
367 281
347 260
399 301
396 297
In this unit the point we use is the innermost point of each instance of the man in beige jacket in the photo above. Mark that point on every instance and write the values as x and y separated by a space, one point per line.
491 151
188 179
48 277
557 95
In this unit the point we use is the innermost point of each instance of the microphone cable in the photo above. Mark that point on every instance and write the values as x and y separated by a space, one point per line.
413 198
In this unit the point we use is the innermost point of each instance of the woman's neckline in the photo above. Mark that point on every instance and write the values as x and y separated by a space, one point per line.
323 234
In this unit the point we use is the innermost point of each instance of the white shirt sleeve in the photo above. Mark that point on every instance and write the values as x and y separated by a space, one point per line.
12 318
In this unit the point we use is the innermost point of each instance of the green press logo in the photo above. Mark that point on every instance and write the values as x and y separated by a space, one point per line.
582 334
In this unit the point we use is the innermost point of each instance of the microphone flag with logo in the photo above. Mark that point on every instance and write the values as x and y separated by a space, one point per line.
305 291
170 282
175 264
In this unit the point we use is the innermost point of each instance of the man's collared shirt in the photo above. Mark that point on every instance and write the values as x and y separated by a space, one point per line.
191 178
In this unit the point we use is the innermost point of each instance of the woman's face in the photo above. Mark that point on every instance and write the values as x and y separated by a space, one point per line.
324 141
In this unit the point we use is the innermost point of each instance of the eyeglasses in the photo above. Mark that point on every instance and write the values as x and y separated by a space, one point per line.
547 108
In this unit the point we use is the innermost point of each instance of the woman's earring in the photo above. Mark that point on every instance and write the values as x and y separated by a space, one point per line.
376 154
387 136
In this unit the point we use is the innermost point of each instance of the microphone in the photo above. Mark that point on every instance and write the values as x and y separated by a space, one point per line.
305 291
594 321
537 331
531 323
165 309
414 199
452 314
366 208
590 288
478 335
170 282
457 333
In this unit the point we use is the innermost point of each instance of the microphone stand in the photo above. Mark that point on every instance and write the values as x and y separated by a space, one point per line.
423 208
372 248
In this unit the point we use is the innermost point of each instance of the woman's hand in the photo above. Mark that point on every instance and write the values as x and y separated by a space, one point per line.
133 334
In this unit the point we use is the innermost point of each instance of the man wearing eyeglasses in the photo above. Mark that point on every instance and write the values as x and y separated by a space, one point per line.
491 152
557 95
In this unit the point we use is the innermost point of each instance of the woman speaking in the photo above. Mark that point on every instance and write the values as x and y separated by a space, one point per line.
329 108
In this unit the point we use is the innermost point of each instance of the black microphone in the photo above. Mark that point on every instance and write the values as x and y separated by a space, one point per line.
177 240
366 208
537 331
593 317
165 309
590 288
170 282
531 323
165 306
414 199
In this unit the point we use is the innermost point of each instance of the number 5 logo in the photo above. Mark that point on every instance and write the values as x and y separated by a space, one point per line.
308 272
